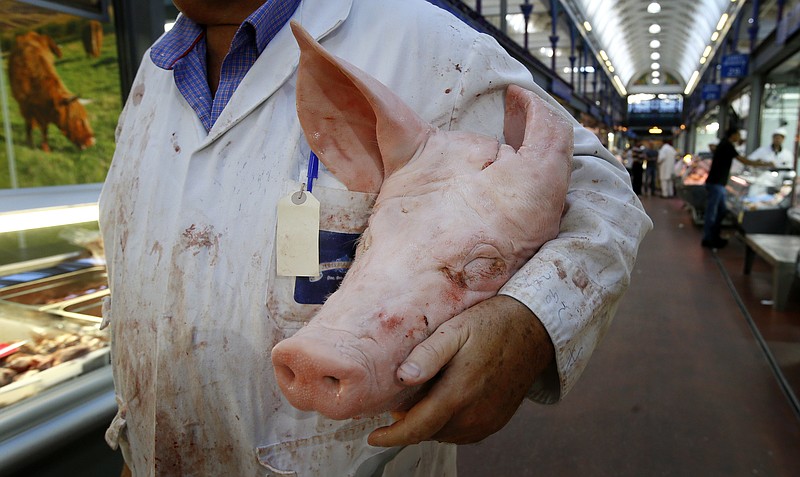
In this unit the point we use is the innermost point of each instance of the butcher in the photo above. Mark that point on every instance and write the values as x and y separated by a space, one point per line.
209 146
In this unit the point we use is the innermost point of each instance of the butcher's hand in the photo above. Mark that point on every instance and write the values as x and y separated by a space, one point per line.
488 356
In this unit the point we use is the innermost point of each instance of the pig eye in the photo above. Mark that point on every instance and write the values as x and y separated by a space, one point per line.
484 270
485 273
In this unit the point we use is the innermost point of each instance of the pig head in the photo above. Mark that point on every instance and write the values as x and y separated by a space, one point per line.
457 214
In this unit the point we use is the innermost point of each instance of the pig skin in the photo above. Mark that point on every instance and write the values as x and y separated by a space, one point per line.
457 214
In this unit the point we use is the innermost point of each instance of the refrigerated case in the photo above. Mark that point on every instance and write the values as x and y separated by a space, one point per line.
691 173
760 199
56 387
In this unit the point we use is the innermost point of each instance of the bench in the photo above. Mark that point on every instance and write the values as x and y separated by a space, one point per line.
781 252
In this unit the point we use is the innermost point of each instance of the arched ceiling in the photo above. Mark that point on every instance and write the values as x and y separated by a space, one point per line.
621 29
625 30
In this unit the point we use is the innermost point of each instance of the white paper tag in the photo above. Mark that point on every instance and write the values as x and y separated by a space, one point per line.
298 235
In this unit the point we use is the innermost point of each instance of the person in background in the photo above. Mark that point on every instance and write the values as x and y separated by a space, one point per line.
775 153
741 144
721 162
666 168
637 168
627 160
209 142
651 168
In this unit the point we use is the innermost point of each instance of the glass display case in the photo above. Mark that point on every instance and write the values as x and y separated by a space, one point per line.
55 373
760 199
691 173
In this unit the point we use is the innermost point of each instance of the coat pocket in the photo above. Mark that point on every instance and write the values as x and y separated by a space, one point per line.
292 301
333 448
116 430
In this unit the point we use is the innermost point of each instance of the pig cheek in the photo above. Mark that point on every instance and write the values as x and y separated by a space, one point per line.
401 333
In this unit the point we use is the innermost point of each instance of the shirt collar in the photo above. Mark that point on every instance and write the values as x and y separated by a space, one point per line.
266 21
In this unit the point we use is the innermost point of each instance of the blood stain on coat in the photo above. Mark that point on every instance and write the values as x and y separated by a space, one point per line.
580 279
137 94
560 269
175 145
157 249
223 154
199 238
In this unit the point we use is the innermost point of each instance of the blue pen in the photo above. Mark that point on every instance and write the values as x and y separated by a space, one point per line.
313 170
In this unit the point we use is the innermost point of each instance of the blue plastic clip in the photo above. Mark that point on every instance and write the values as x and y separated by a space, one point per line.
313 170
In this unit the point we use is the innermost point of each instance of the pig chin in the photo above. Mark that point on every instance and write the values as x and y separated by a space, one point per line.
339 375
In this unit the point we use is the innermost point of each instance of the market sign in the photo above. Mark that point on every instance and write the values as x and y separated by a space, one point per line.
734 66
711 92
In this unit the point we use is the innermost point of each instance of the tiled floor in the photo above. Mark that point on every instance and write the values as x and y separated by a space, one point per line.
680 386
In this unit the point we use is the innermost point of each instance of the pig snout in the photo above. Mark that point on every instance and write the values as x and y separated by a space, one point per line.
312 377
329 372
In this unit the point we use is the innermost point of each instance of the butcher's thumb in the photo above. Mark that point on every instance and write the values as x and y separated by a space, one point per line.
430 356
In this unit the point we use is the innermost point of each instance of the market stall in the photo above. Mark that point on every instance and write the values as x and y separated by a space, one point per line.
691 173
760 199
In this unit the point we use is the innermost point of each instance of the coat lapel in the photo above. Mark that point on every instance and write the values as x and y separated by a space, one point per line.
278 62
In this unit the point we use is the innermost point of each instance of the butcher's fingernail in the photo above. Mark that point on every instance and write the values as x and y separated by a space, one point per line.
411 370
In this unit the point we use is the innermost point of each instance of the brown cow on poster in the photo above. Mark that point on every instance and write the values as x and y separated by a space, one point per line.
92 37
40 93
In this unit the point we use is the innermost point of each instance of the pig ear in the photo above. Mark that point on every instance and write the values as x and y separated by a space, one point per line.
359 128
525 110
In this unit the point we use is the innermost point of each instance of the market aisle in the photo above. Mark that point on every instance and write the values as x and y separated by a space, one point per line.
679 387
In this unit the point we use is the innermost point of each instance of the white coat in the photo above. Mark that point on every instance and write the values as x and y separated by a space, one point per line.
666 161
782 160
188 219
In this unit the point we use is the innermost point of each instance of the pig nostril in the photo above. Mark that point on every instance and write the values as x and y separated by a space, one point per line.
332 384
284 374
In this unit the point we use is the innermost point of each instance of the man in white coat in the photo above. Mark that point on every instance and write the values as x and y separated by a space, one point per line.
774 152
207 144
666 168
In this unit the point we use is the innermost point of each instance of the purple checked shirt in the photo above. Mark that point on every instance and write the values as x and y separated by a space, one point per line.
183 50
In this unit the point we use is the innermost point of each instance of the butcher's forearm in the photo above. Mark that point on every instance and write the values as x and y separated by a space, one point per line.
575 281
542 349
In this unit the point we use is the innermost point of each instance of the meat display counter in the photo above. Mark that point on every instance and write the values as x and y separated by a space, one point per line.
760 199
691 173
55 378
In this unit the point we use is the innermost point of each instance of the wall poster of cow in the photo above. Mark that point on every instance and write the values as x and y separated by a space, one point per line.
62 95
